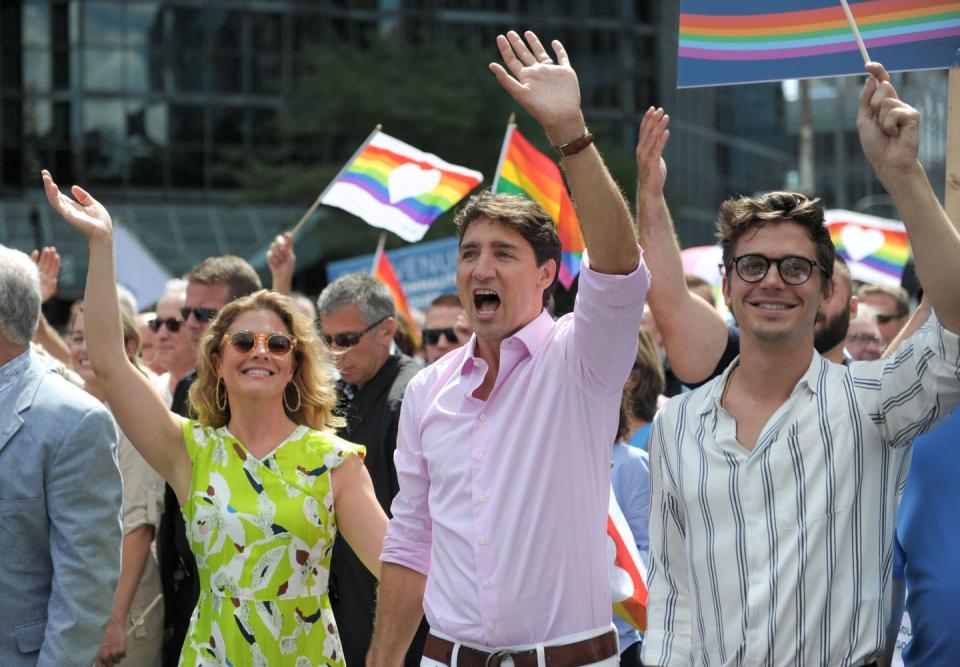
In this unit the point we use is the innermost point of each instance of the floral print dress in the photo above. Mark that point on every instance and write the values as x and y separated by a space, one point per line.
262 531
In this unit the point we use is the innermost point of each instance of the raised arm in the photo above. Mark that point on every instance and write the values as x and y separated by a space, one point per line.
48 266
141 413
550 93
694 333
282 262
889 133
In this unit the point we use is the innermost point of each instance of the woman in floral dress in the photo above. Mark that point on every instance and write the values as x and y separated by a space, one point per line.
263 483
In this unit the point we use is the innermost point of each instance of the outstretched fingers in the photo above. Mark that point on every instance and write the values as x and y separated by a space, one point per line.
562 57
653 132
519 47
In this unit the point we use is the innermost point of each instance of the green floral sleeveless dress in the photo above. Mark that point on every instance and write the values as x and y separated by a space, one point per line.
262 532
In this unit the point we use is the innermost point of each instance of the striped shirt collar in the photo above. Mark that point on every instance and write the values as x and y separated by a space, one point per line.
714 392
12 371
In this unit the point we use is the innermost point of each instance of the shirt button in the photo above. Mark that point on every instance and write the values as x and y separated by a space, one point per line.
491 626
481 456
483 540
482 499
483 418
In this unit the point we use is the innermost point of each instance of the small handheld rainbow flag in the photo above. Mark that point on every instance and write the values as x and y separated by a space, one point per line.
628 574
396 187
383 271
876 249
525 171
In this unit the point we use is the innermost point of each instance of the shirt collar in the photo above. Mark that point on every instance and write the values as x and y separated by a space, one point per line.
808 380
532 336
12 371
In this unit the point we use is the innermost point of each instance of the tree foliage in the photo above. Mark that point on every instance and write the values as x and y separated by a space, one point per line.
437 97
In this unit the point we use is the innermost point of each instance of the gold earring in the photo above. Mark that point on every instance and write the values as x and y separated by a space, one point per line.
286 404
221 405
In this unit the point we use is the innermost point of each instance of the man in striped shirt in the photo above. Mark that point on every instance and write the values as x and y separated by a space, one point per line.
773 486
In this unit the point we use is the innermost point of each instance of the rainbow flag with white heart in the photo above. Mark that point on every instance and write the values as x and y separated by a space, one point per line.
876 249
394 186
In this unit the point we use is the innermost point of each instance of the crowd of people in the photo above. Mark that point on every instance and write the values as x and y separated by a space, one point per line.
246 476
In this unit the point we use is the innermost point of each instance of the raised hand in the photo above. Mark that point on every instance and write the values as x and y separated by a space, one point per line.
84 212
651 168
48 265
282 262
889 128
548 91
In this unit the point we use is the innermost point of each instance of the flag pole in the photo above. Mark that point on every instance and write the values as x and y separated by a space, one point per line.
856 31
378 252
319 199
511 124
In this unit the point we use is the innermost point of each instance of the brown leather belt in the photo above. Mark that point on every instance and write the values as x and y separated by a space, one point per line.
576 654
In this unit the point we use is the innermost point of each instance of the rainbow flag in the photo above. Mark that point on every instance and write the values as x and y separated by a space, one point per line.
525 171
628 574
739 41
384 272
876 249
396 187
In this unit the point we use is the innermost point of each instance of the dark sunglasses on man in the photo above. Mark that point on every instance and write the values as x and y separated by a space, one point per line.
432 336
203 315
172 323
345 341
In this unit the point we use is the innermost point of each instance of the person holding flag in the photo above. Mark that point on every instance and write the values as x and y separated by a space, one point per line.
773 487
498 529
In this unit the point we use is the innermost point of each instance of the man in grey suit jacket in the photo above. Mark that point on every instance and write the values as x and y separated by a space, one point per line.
59 495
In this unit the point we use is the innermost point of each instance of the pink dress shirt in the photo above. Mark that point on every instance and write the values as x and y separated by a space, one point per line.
503 502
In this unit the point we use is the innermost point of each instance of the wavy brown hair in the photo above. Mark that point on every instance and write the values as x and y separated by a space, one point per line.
313 374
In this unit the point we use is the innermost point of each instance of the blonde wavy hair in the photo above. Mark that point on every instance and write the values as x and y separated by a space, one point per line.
313 375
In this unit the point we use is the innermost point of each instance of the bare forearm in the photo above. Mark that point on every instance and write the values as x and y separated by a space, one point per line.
282 283
50 340
694 333
102 311
399 611
604 217
917 320
136 550
934 240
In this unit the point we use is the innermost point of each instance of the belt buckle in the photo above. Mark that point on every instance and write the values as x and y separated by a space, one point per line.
499 655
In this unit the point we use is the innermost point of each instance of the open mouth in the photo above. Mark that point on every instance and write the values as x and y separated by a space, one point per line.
772 307
486 301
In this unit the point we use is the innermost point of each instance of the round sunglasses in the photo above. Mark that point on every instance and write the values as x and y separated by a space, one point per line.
278 344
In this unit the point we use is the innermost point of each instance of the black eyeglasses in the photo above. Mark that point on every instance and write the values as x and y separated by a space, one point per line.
277 344
203 315
793 270
432 336
345 341
172 323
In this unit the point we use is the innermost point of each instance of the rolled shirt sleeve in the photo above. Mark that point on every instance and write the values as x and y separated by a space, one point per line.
908 393
606 316
409 533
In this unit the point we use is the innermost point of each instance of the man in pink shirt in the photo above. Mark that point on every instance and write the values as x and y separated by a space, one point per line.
503 455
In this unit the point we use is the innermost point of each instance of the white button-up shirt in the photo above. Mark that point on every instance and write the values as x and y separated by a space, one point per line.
782 555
